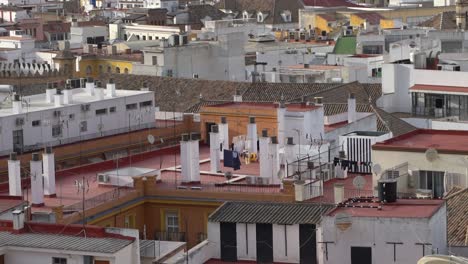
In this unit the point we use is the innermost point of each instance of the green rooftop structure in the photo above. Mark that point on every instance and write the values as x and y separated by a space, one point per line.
345 45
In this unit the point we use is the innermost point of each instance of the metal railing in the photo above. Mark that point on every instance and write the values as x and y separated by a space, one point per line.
220 187
169 236
97 200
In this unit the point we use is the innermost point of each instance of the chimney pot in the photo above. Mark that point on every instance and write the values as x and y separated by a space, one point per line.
264 133
251 120
13 156
111 80
223 120
195 136
290 141
185 137
48 150
35 156
214 129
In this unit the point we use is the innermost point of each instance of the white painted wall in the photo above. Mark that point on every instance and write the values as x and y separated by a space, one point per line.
286 250
310 123
375 232
368 123
417 161
79 35
214 238
246 241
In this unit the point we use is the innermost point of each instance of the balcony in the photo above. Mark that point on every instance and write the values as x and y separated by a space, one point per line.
169 236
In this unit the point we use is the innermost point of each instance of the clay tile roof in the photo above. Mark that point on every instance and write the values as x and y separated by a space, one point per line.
371 17
441 21
199 12
270 213
389 122
457 220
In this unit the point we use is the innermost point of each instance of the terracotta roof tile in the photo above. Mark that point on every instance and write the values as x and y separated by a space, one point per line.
457 220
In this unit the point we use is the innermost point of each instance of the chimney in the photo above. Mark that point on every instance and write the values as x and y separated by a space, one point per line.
273 155
223 129
110 89
190 158
318 101
48 161
14 175
281 117
99 93
90 86
67 95
214 150
352 116
145 87
338 189
265 165
237 97
252 135
37 187
50 92
289 153
17 104
58 99
18 220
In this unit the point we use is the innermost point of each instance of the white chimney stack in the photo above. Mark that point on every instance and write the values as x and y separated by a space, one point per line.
352 115
281 116
190 158
14 175
223 129
273 154
237 97
110 88
338 189
214 150
90 86
50 92
37 186
68 95
17 104
18 220
58 99
99 93
252 135
48 161
289 154
265 165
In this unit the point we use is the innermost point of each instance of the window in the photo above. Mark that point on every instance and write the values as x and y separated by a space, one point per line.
172 222
71 116
146 103
83 126
144 37
131 106
150 38
109 69
36 123
432 180
85 108
129 221
101 70
56 131
112 109
155 60
126 70
59 261
260 17
117 70
102 111
89 70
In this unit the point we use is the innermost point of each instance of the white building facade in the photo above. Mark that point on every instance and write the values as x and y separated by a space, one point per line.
53 119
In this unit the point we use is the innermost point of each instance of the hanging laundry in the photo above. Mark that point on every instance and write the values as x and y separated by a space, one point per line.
228 160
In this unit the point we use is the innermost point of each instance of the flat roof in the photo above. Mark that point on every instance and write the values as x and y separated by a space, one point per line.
402 208
38 102
439 89
444 141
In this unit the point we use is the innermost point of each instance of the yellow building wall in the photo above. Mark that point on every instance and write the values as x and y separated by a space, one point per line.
321 25
387 23
99 66
356 21
404 13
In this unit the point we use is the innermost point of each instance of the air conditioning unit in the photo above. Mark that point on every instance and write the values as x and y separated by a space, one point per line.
103 178
19 121
424 193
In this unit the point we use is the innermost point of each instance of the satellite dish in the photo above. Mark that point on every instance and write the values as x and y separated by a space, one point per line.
343 221
359 182
377 169
431 154
151 139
